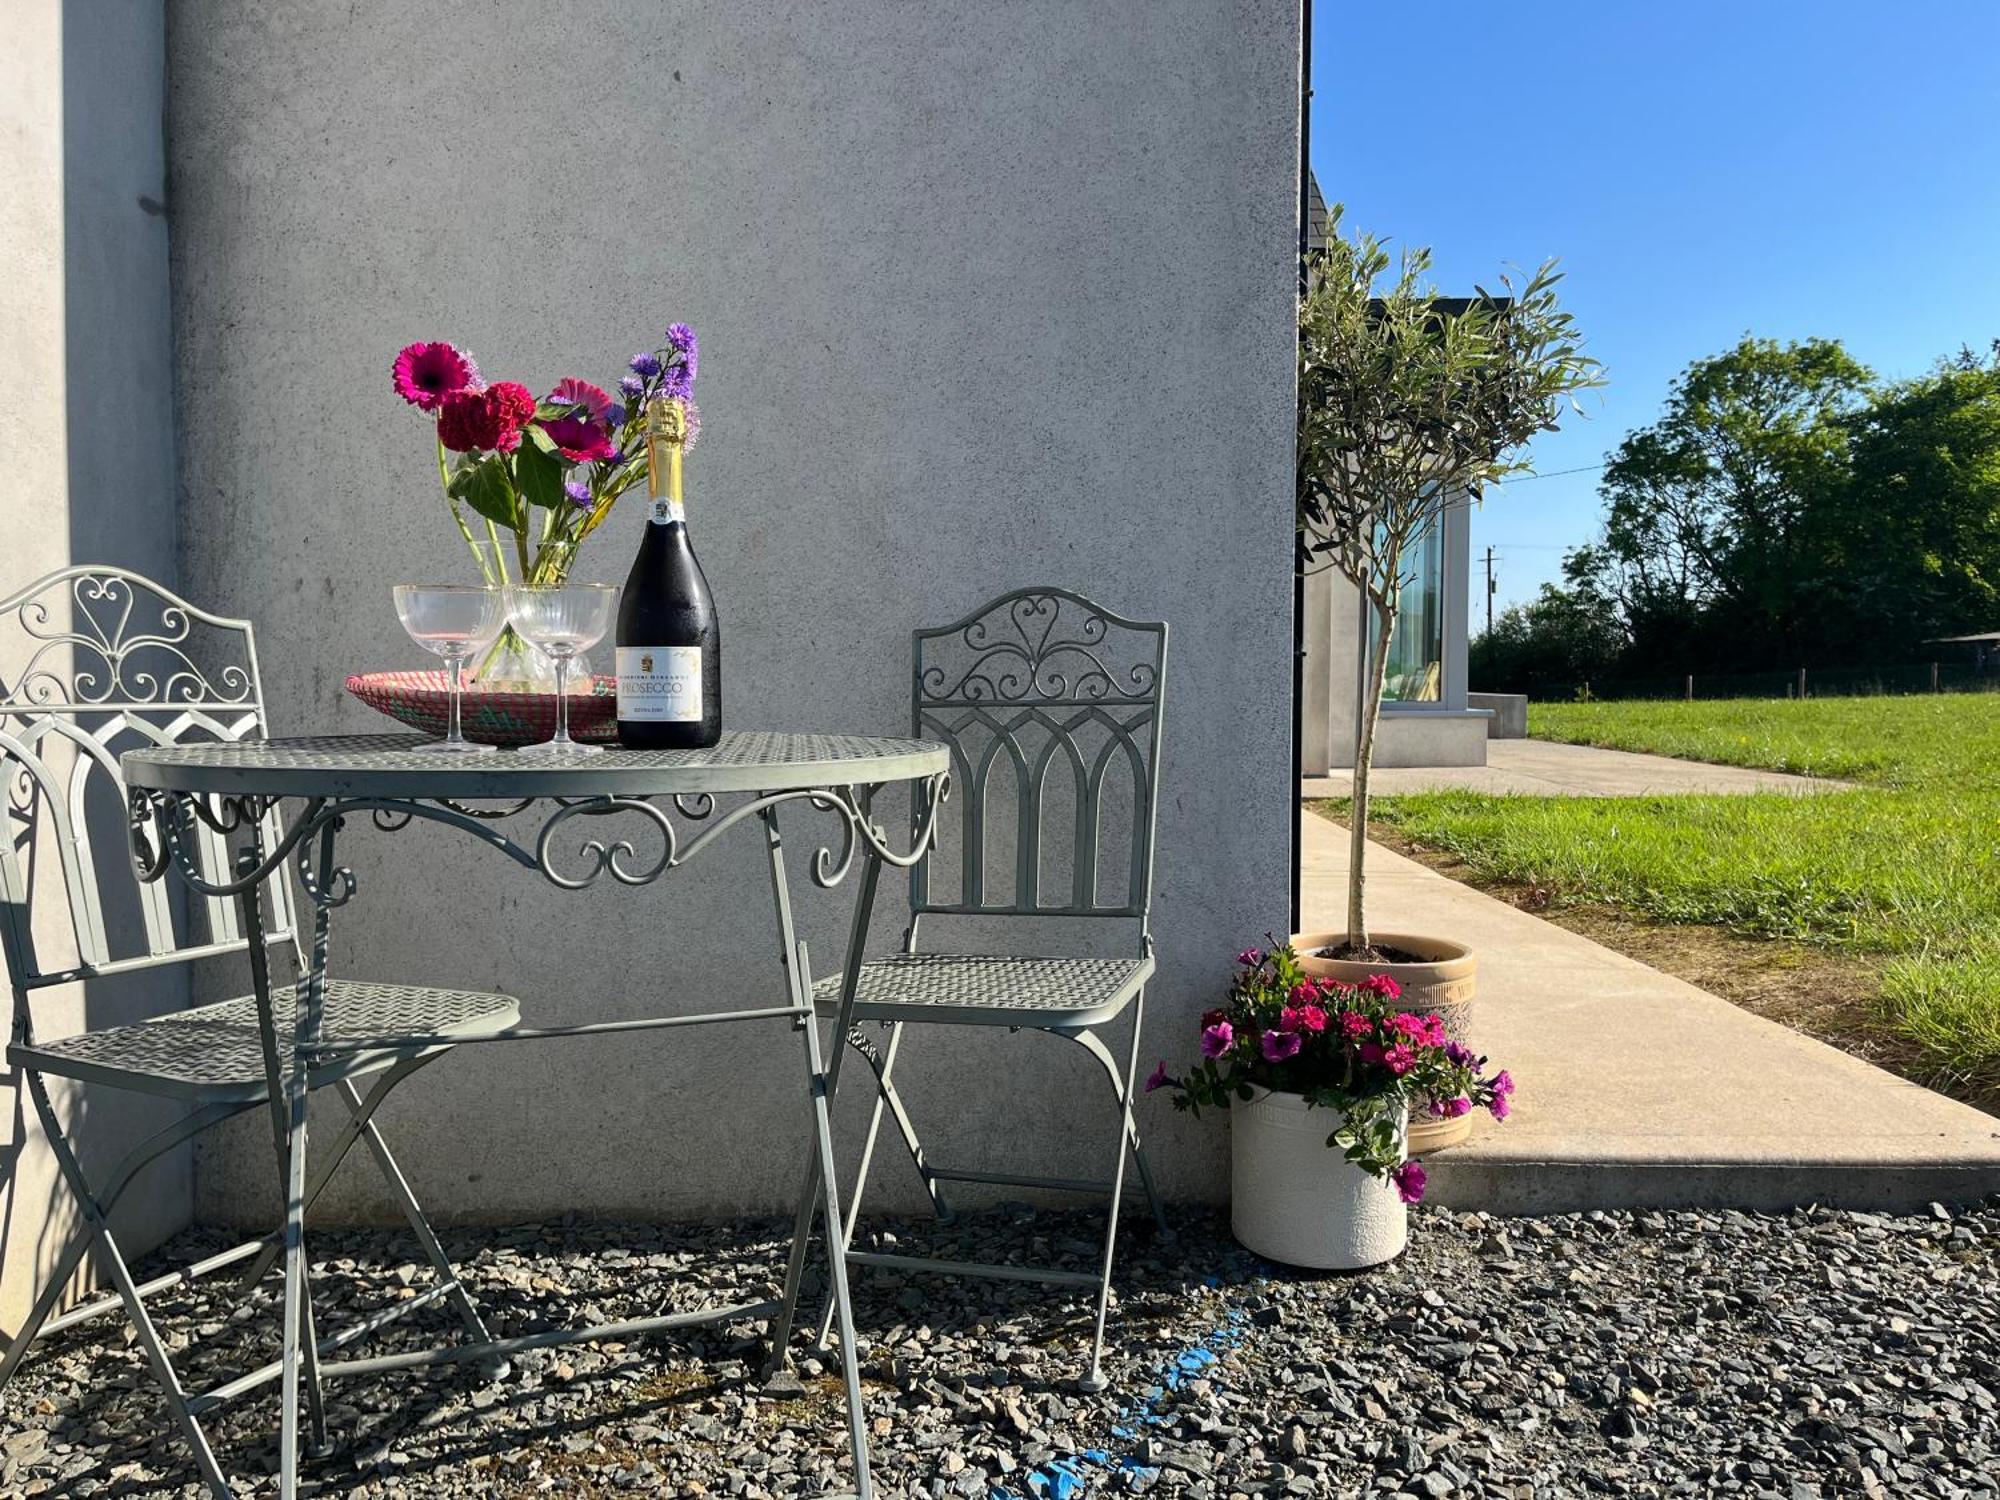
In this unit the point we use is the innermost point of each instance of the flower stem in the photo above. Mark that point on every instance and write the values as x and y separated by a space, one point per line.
444 479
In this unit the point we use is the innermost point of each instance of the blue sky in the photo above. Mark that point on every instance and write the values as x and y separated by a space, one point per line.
1700 169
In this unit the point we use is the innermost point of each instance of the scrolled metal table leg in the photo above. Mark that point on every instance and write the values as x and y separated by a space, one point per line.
820 1174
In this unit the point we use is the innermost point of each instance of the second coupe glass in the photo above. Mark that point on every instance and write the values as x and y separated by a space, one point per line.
563 620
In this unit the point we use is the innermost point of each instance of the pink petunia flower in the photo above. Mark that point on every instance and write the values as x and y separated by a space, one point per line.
1399 1059
1158 1078
1312 1018
1410 1179
1217 1039
1383 985
1354 1024
1371 1052
426 374
1304 993
1280 1045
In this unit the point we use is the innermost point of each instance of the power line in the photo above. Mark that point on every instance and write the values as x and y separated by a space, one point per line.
1551 474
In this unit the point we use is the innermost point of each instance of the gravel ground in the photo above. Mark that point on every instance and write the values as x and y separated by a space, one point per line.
1816 1353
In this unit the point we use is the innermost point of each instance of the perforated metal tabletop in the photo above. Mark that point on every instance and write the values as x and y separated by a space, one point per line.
400 765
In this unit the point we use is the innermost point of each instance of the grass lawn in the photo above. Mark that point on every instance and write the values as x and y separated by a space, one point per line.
1903 873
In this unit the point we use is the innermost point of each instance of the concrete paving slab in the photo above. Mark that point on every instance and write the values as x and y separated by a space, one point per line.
1542 768
1638 1090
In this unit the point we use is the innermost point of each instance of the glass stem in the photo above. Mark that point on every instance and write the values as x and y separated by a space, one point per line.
562 699
454 736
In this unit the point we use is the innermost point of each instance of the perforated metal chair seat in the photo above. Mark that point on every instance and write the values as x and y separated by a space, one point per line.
214 1052
990 989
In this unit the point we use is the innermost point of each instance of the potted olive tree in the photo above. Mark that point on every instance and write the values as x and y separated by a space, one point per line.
1408 403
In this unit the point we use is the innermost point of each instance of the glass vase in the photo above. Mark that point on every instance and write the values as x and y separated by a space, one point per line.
511 665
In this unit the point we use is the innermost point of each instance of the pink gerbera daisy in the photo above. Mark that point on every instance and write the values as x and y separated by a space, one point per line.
574 392
426 374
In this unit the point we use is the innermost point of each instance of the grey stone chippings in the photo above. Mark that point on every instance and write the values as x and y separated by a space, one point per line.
1817 1353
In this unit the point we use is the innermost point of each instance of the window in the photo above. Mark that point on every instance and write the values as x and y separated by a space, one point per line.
1416 652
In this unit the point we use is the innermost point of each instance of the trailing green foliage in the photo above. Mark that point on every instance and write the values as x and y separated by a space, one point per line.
1907 863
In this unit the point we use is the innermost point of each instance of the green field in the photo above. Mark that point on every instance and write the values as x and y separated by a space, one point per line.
1907 865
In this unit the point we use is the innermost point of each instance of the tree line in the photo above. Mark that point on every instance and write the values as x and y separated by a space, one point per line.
1787 509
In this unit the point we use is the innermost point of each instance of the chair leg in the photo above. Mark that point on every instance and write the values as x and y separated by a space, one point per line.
135 1306
399 1188
883 1068
1122 1092
1093 1379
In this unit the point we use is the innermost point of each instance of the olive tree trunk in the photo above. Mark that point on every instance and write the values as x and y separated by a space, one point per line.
1364 759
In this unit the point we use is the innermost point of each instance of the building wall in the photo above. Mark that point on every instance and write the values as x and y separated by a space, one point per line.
1445 733
988 295
86 443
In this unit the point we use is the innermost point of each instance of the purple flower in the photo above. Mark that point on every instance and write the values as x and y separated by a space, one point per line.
1501 1107
1454 1109
632 387
1460 1055
1250 957
577 490
1279 1045
678 383
681 337
1157 1079
1503 1083
1410 1179
1217 1039
647 364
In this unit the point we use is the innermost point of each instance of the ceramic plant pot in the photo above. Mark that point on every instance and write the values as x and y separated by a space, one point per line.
1444 982
1297 1200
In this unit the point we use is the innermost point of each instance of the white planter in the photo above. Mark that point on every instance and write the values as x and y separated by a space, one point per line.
1295 1199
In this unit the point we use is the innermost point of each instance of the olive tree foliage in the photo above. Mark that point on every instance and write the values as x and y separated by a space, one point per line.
1408 402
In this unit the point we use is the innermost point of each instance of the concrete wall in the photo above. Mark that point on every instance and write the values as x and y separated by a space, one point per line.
86 443
988 295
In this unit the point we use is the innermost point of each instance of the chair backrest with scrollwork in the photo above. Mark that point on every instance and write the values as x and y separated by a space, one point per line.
1051 706
95 661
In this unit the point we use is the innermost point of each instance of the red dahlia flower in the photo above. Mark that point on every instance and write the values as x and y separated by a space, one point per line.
474 421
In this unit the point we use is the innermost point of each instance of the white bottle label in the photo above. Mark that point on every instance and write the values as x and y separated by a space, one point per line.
660 684
665 510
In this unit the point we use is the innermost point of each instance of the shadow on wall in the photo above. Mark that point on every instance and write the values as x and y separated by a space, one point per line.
88 232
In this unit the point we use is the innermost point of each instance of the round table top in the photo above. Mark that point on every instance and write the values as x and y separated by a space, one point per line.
400 765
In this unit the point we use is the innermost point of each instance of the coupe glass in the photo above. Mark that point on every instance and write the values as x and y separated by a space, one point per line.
456 621
563 620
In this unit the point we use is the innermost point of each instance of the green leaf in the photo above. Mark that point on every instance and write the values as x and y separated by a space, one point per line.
489 489
540 477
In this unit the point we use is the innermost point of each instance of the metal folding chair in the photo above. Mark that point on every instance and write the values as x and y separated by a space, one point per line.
94 661
1061 697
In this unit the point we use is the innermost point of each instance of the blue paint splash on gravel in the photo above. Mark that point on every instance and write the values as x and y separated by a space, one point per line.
1070 1478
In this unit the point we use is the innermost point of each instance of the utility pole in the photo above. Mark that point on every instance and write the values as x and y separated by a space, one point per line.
1489 591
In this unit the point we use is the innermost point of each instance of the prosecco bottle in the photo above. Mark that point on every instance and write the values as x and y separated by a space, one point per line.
669 641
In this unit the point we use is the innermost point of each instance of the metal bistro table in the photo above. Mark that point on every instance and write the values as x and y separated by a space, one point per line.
681 800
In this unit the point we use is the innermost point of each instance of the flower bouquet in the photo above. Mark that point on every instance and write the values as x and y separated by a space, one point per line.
1283 1042
527 479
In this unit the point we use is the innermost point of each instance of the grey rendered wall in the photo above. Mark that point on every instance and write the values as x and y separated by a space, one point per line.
86 443
987 294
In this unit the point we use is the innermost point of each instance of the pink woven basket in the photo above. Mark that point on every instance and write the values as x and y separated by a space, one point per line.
422 700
